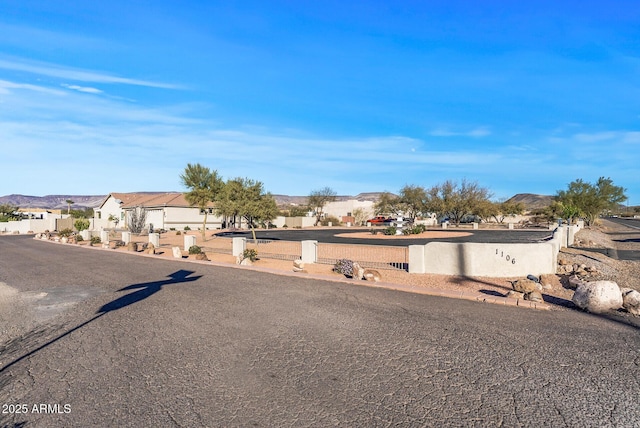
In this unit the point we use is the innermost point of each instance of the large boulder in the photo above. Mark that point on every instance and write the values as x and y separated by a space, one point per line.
525 286
631 300
598 296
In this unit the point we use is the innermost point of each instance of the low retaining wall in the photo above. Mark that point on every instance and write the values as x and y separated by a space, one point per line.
494 260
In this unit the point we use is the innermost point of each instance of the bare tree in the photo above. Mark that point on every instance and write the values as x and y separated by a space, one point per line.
318 199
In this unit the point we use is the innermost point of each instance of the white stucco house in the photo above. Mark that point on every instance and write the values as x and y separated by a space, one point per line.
163 210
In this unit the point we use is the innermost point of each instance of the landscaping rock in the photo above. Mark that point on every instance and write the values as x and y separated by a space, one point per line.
371 275
358 271
515 294
298 266
550 281
534 296
524 285
598 296
575 282
631 300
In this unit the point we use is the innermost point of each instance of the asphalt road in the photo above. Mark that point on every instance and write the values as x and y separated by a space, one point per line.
168 343
329 236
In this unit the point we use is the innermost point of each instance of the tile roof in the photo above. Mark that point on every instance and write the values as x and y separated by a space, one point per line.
151 200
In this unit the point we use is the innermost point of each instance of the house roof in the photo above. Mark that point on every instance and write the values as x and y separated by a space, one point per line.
152 200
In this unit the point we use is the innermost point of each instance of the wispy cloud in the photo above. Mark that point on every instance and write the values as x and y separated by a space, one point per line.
54 70
479 132
84 89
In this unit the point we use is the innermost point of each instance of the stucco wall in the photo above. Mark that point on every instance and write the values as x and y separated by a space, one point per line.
495 260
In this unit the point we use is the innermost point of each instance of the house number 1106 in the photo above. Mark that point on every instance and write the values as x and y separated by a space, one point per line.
507 257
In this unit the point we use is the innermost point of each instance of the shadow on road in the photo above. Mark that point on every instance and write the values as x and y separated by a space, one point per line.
145 290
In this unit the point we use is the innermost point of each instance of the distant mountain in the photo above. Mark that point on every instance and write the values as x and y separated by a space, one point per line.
531 201
302 200
53 201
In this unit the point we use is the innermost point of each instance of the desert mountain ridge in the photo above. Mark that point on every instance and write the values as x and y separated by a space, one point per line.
531 201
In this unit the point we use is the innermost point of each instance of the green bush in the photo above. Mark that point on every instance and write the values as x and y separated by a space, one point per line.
95 240
187 228
194 249
251 254
374 231
79 238
65 233
81 224
391 230
418 229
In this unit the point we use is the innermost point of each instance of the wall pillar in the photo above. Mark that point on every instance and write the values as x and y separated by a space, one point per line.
189 241
309 251
416 259
239 245
154 238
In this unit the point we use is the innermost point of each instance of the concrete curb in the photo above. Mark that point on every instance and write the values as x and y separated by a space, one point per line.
466 295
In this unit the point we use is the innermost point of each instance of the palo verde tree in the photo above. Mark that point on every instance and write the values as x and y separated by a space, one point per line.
246 198
204 186
590 200
318 199
456 200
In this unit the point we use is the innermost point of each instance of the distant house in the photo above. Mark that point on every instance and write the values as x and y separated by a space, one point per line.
163 211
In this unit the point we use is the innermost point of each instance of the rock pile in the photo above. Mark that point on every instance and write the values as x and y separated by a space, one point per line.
526 289
565 267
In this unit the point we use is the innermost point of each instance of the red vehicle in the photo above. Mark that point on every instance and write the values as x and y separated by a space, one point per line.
379 220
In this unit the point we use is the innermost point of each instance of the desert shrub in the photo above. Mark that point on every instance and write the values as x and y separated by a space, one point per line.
344 266
391 230
65 233
418 229
330 219
95 240
251 254
81 224
187 228
194 249
137 219
178 233
285 226
79 238
407 231
374 231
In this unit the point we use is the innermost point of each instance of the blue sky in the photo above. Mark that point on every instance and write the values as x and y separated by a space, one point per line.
118 96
